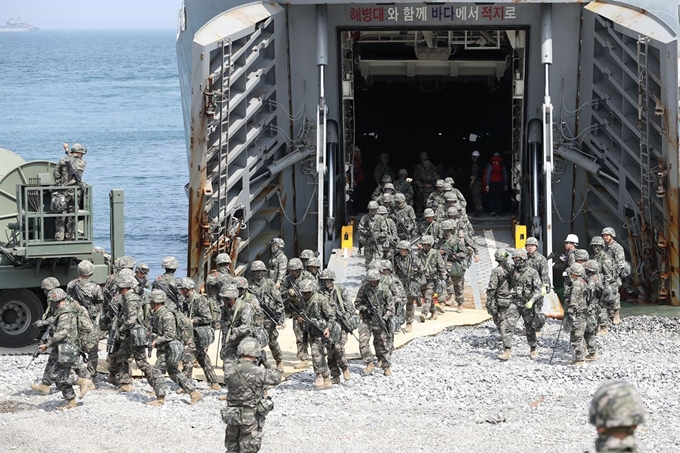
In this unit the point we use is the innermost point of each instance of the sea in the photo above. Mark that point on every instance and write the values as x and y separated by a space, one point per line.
117 93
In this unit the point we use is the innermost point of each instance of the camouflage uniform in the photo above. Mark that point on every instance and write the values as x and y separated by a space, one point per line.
383 168
63 177
143 282
288 290
434 273
373 226
65 331
237 323
433 229
165 327
409 270
499 295
576 298
93 300
266 292
339 299
380 296
526 288
540 263
214 283
201 315
617 254
404 187
168 284
425 180
130 314
405 219
456 252
278 265
436 199
476 187
616 410
610 282
594 292
392 234
246 385
320 312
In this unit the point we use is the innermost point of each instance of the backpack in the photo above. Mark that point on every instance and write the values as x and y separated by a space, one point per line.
86 338
185 331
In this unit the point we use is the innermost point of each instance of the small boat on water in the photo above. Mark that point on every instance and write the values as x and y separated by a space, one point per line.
17 26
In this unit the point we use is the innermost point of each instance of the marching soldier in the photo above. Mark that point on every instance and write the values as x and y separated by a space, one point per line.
265 290
216 280
536 260
168 283
237 323
339 298
404 217
383 168
90 296
576 301
373 233
594 295
409 270
392 237
278 262
616 252
403 186
291 290
609 275
456 258
321 315
499 295
434 273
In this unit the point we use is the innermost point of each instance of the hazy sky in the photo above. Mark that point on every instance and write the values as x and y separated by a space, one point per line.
93 14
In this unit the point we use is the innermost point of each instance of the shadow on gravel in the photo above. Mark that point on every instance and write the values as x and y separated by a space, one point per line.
12 407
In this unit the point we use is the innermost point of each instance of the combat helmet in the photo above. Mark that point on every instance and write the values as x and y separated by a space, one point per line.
610 231
249 347
49 284
531 241
306 254
229 292
617 404
592 266
501 255
126 281
450 196
314 262
520 253
448 187
581 255
126 262
388 186
327 274
258 266
449 180
241 283
406 245
382 210
439 183
399 197
372 205
157 296
56 295
597 241
295 264
447 225
142 268
85 267
577 269
170 262
186 283
452 210
372 275
403 171
222 258
386 178
388 198
307 286
429 212
277 242
427 239
386 265
78 148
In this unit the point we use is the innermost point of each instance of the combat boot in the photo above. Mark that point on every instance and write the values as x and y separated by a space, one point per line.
180 391
279 366
196 396
422 317
602 330
125 388
439 308
617 317
577 362
41 388
370 367
460 308
409 327
506 354
222 397
327 383
85 386
387 371
591 357
157 402
303 365
215 386
68 404
335 380
433 316
533 354
318 382
113 379
345 374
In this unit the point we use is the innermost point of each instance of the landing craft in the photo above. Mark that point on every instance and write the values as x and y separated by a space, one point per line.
581 97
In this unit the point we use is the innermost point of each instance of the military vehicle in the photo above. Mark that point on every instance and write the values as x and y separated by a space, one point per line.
580 96
28 252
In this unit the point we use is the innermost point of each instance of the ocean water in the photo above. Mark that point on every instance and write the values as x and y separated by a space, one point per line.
117 93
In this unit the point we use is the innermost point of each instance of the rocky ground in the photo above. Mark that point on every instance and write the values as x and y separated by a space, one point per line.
448 393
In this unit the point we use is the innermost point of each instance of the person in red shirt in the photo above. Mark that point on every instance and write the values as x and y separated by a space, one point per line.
496 183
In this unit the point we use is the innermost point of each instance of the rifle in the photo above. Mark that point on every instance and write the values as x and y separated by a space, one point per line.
312 326
345 326
80 297
43 340
149 344
374 239
168 292
111 340
266 309
371 310
401 224
72 171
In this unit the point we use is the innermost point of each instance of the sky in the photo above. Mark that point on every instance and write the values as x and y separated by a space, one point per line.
93 14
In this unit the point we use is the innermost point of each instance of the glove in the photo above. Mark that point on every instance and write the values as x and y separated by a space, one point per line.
544 291
291 292
487 188
563 257
39 324
529 305
564 274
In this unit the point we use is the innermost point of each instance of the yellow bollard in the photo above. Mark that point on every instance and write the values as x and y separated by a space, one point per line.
520 236
347 241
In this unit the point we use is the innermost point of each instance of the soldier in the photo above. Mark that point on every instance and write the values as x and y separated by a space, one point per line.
90 296
434 273
616 410
615 251
450 201
425 183
168 351
409 270
459 194
373 233
339 298
321 315
526 302
237 322
465 220
579 256
404 217
216 280
499 294
476 184
392 237
130 315
201 317
168 283
68 172
378 191
305 256
568 258
383 168
278 262
594 295
457 259
403 186
536 260
386 189
577 304
429 226
387 201
290 289
436 199
142 275
376 305
265 290
609 275
65 350
246 385
313 266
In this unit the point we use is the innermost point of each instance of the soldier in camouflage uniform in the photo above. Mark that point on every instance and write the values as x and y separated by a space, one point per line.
457 259
429 226
289 290
385 190
526 302
237 323
616 252
616 410
131 314
305 256
576 298
200 314
321 315
594 293
65 332
435 275
424 178
313 266
458 193
609 276
69 172
168 283
442 209
392 237
409 270
398 293
383 168
47 321
568 258
265 290
404 217
378 191
217 279
164 326
278 263
476 184
403 186
142 275
436 200
499 293
539 262
246 385
90 296
373 234
373 293
339 298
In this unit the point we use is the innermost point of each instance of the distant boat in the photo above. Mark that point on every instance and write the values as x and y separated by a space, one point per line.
17 25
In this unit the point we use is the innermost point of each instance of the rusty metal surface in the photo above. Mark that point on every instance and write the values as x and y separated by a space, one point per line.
638 21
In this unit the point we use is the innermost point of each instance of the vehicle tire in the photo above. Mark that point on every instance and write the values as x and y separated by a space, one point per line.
19 309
